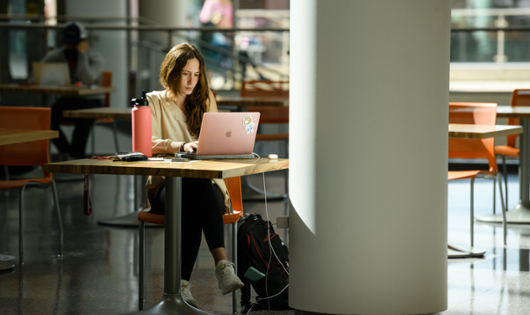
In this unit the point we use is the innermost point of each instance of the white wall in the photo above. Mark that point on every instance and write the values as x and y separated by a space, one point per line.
368 156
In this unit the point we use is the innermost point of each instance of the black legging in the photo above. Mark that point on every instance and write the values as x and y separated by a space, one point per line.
202 209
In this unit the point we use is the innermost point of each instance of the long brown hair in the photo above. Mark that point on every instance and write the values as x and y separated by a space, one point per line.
195 104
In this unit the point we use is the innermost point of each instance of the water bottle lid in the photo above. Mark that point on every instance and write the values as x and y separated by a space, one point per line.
140 101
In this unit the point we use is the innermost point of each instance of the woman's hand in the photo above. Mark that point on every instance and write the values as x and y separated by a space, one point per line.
191 146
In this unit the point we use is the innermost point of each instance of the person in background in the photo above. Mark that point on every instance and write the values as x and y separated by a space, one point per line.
85 66
176 116
218 14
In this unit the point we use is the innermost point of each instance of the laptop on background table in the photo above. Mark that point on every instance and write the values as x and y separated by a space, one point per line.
226 136
51 74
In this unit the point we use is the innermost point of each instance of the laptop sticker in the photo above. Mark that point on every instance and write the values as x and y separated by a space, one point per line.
249 124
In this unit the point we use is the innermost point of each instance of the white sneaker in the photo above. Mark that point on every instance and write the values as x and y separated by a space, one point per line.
185 287
228 281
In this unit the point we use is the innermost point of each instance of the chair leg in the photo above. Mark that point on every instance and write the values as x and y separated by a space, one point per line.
115 130
494 195
503 206
234 260
21 226
141 265
93 140
59 219
472 210
505 170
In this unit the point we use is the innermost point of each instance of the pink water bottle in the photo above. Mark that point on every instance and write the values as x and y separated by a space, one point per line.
141 126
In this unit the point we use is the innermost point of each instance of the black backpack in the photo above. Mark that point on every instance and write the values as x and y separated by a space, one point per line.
254 251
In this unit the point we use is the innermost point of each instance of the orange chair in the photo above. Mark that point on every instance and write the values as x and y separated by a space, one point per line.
479 114
269 114
106 81
230 217
519 98
28 154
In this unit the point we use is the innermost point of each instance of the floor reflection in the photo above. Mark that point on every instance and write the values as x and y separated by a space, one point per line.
98 274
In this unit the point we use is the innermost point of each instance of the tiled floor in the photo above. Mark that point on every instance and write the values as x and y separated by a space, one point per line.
98 274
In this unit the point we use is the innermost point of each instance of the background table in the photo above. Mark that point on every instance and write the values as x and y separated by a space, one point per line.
12 136
238 101
100 113
47 91
477 132
482 131
224 101
172 301
521 212
63 90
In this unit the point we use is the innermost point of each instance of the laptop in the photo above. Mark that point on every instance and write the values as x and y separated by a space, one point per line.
226 136
51 73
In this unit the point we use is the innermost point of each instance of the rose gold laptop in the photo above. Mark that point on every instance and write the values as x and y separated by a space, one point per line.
226 136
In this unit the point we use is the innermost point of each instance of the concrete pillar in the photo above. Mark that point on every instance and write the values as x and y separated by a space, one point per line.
169 13
368 156
111 44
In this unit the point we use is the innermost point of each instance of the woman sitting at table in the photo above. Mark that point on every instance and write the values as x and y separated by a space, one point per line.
176 121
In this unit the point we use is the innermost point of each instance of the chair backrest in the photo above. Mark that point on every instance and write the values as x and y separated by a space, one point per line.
106 81
475 114
264 88
269 114
28 153
233 185
520 97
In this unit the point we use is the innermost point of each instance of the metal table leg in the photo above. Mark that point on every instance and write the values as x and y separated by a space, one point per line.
172 302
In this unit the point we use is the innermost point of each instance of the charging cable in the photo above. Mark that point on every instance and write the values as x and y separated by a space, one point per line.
271 250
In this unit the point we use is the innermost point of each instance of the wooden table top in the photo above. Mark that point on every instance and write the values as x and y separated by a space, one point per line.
251 101
100 113
125 112
482 131
63 90
11 136
505 111
193 169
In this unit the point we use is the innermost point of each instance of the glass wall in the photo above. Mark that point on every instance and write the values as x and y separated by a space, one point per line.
490 46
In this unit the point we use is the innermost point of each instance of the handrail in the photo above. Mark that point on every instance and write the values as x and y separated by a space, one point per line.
143 28
492 29
490 12
73 18
225 30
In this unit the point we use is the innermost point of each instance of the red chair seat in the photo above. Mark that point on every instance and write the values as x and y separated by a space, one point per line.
452 175
8 184
507 150
147 217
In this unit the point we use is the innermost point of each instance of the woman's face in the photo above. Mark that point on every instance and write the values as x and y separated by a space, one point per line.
189 76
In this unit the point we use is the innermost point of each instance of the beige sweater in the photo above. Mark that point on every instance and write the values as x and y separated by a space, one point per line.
169 131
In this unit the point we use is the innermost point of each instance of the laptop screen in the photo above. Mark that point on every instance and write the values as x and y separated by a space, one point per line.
51 73
228 133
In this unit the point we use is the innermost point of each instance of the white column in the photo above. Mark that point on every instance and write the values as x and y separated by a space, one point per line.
111 44
168 13
368 156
